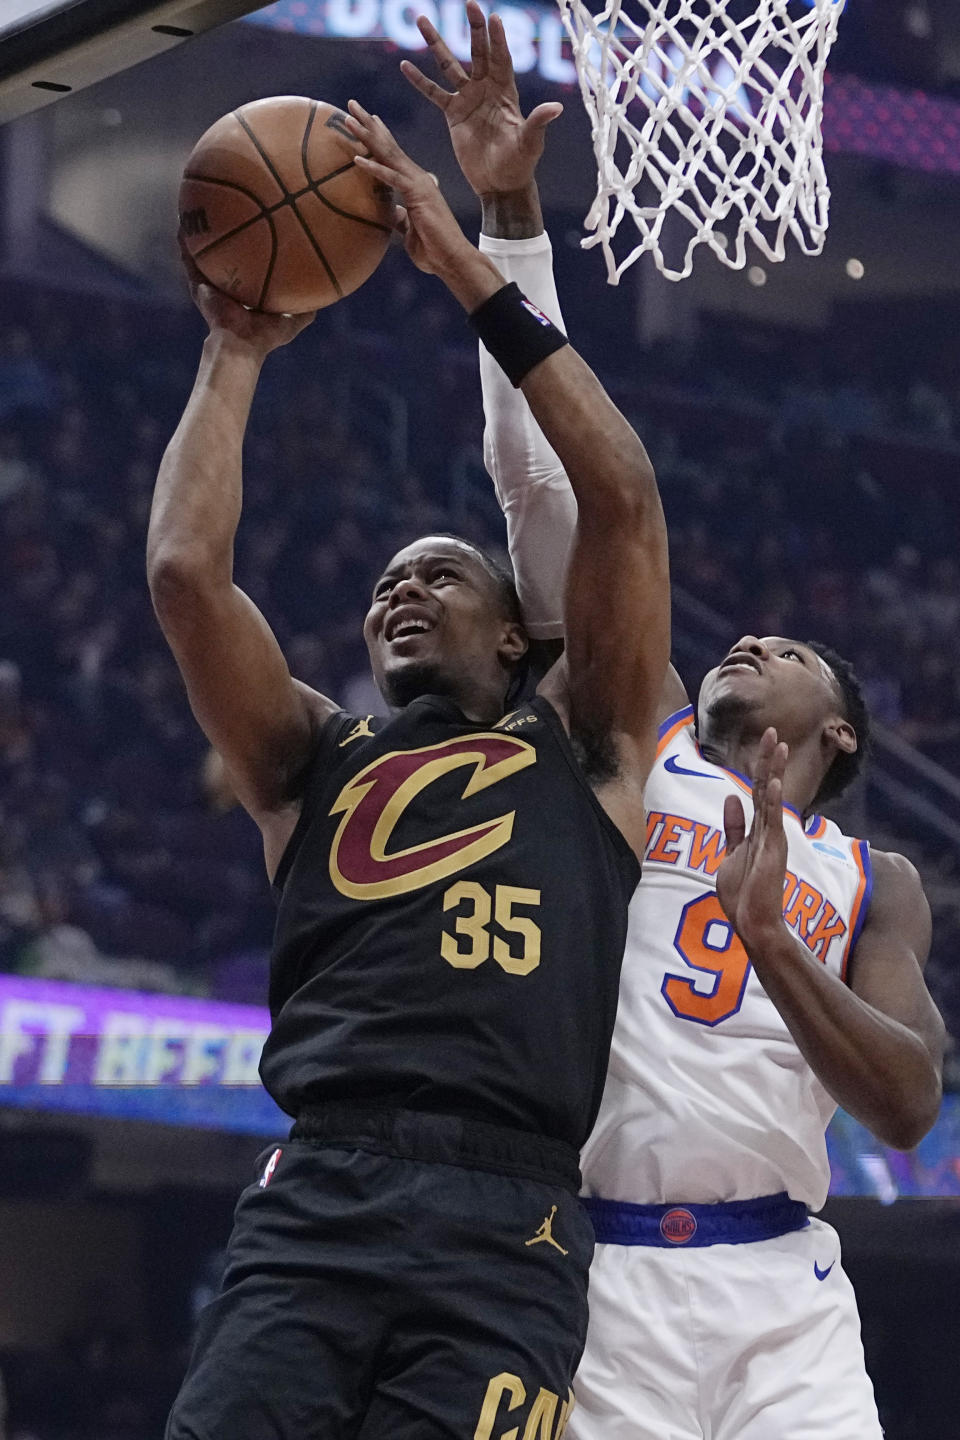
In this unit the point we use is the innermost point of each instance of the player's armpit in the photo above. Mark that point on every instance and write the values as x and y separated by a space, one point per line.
887 963
262 721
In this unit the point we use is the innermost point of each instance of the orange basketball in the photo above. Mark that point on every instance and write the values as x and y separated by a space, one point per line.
274 211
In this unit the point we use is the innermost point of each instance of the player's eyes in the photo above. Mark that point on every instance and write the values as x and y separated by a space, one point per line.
445 575
792 654
382 588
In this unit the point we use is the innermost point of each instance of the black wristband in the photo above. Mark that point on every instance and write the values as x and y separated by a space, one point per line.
516 333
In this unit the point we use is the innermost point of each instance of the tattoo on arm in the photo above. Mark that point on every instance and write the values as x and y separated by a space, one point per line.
513 214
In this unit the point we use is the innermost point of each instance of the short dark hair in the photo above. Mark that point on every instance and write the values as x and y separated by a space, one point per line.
845 768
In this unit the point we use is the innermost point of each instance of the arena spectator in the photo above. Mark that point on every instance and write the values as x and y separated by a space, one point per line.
121 859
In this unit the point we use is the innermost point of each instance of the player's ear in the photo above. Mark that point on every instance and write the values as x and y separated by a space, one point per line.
513 643
841 734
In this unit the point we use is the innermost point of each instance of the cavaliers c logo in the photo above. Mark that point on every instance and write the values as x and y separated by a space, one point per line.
374 800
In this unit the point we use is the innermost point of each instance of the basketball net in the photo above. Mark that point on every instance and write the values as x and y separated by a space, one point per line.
707 117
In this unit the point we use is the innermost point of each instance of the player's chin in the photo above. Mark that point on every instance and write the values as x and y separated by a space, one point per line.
405 678
732 692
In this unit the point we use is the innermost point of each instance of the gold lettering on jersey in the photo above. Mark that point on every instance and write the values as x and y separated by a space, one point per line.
543 1413
375 800
565 1411
514 720
500 1388
690 845
360 731
472 926
506 1393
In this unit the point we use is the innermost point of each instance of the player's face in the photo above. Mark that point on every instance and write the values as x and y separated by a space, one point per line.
772 681
436 624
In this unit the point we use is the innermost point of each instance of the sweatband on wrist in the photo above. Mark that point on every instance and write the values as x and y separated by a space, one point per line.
516 333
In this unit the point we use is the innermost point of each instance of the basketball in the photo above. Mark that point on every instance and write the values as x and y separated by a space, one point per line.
275 213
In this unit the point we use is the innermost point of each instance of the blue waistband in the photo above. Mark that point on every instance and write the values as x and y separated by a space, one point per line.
734 1222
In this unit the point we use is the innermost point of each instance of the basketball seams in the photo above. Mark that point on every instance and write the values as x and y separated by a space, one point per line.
331 175
347 215
230 185
284 190
288 197
306 140
267 213
313 186
245 133
320 255
271 263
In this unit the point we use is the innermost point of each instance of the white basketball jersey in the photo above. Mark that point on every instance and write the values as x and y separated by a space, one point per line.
707 1096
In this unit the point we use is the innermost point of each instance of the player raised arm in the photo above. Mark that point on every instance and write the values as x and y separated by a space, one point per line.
258 717
876 1044
498 150
617 600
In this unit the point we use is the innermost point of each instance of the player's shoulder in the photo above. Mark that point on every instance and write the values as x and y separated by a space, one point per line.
898 904
895 878
678 723
892 863
319 707
341 735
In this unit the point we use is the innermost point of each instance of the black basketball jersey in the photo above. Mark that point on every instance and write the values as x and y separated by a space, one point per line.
453 912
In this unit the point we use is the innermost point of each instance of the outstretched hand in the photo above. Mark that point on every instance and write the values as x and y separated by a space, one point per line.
434 240
751 876
496 148
263 332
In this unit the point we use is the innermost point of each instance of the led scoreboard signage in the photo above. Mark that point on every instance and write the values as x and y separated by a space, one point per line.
180 1060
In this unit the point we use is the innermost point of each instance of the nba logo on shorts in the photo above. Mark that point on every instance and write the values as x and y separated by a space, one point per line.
271 1165
678 1226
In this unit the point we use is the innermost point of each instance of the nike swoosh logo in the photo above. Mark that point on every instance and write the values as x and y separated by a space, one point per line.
822 1274
673 765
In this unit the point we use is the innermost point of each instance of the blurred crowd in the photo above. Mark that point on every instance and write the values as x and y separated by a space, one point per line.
808 490
103 1383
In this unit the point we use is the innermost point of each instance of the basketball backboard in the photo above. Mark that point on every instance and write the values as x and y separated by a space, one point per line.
50 48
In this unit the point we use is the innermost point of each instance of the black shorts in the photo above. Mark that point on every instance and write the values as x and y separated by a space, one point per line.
399 1277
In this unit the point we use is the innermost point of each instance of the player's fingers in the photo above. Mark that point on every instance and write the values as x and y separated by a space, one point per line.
538 120
761 774
734 822
774 796
375 135
361 118
501 61
768 743
358 120
448 64
401 220
434 93
386 173
479 44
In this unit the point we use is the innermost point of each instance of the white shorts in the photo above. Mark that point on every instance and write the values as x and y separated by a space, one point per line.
726 1342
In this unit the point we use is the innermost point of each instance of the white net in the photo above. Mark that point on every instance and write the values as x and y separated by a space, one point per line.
708 110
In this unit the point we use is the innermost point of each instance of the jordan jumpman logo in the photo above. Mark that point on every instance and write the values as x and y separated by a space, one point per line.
360 731
545 1233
